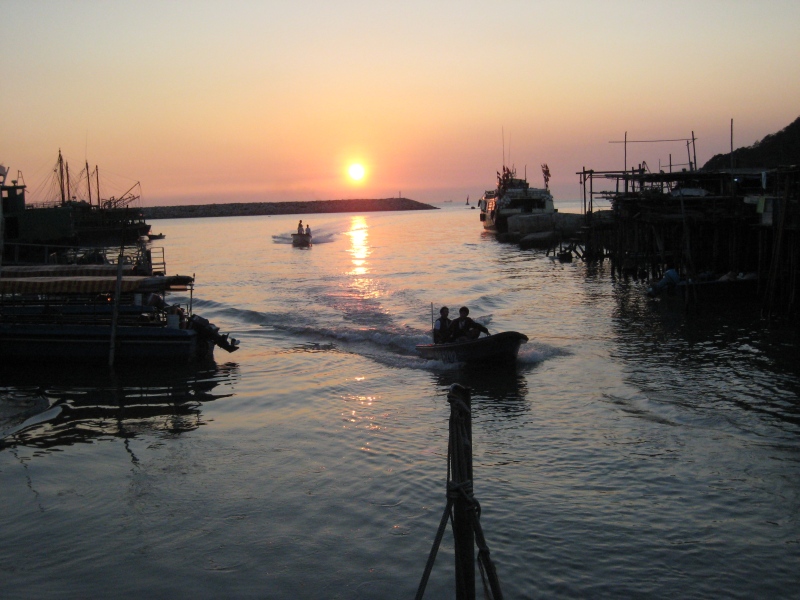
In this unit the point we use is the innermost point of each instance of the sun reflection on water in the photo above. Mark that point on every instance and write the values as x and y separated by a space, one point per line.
359 247
364 287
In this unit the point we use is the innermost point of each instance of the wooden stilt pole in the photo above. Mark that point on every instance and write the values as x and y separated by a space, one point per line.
461 487
462 508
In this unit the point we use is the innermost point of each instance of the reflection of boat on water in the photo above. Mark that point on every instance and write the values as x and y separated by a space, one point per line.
301 240
505 386
513 196
495 349
61 406
709 290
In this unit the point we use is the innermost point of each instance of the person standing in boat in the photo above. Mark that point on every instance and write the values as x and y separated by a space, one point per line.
464 328
300 227
308 230
441 328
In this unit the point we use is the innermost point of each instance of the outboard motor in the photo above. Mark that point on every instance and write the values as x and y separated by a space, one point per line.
207 330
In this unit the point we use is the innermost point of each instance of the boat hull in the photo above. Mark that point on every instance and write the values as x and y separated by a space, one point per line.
45 342
500 348
301 240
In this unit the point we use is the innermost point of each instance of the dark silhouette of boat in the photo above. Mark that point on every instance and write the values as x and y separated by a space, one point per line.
301 240
499 348
76 215
88 313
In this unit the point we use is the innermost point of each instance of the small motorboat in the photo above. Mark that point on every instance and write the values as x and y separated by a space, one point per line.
301 240
498 348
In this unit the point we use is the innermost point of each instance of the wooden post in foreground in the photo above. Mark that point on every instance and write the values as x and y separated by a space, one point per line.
460 490
462 508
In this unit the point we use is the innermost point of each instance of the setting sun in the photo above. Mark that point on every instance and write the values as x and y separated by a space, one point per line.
356 172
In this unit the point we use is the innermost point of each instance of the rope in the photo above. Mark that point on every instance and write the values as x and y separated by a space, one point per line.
434 550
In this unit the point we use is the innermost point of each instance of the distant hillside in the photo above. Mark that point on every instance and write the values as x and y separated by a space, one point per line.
238 209
775 150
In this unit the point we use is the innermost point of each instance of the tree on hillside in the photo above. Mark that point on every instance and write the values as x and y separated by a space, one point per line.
775 150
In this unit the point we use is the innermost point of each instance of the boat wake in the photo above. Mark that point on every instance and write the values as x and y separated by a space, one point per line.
391 345
534 353
319 237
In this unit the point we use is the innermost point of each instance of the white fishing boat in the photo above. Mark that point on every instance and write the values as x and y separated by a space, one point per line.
513 196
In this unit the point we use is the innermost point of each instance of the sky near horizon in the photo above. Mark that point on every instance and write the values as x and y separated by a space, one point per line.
207 101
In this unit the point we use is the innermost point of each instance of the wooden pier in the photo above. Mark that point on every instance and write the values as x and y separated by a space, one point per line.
730 225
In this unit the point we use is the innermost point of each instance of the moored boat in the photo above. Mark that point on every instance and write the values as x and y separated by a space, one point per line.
76 215
513 196
497 348
52 314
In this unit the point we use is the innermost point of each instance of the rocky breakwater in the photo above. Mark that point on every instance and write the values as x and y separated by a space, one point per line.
239 209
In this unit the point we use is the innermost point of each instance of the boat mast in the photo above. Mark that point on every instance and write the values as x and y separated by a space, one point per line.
97 173
61 174
503 131
89 182
66 167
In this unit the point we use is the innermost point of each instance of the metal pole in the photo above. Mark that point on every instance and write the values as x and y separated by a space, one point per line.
583 182
115 314
117 294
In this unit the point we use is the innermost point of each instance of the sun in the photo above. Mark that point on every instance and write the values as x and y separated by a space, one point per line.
356 172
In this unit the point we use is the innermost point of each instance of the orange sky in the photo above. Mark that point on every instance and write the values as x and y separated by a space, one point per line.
216 102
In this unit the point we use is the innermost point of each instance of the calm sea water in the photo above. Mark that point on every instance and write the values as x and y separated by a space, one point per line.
635 452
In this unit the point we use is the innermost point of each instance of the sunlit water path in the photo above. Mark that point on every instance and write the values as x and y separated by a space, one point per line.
634 452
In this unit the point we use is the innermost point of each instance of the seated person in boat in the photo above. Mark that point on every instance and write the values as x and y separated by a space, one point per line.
441 328
668 282
308 230
464 328
300 227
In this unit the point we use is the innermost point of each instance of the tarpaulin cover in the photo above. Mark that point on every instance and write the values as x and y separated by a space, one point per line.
64 270
91 285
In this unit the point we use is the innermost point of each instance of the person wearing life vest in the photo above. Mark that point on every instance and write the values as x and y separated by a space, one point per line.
441 328
464 328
